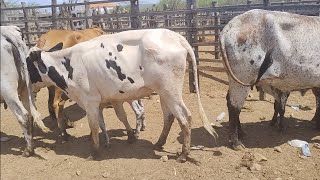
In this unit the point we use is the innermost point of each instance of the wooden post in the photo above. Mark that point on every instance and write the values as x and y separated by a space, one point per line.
36 18
135 22
190 26
166 20
266 2
249 2
54 14
117 18
26 24
216 31
3 15
86 13
319 8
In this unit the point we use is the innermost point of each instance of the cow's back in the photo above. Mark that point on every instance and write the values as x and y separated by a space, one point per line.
293 41
67 37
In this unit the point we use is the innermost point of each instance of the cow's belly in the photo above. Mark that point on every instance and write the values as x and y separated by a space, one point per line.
296 78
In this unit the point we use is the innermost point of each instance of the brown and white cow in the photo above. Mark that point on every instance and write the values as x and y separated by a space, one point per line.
57 98
123 67
276 51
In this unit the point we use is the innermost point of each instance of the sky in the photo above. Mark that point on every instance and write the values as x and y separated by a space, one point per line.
48 2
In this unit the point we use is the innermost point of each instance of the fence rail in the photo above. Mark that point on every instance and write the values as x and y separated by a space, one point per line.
196 24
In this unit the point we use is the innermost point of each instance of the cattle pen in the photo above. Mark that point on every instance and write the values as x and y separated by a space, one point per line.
201 26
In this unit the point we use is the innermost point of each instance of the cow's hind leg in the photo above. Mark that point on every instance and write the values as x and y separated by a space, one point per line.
138 109
103 127
23 117
93 119
168 120
235 100
316 118
173 102
121 114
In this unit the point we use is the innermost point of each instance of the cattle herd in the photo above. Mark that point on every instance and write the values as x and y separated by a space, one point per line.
276 51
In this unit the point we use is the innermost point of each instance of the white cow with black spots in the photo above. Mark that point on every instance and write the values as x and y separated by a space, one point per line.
277 51
15 84
123 67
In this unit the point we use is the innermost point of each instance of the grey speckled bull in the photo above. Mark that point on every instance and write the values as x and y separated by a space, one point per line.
280 52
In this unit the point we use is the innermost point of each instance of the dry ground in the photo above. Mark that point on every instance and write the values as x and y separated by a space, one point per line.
54 160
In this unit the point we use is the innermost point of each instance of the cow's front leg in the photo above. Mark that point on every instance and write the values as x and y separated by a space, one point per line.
316 118
58 105
283 97
121 114
93 119
51 92
235 100
276 106
138 109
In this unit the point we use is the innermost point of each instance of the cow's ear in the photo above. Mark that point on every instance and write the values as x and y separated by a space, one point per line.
56 47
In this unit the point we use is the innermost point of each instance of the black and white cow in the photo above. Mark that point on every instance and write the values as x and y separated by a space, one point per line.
15 84
276 51
123 67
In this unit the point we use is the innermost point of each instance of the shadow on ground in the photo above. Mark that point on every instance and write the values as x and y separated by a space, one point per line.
81 146
258 134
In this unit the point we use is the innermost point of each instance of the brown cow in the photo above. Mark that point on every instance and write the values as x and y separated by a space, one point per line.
57 98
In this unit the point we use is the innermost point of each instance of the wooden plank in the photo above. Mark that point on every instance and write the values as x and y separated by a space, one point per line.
210 60
54 14
135 23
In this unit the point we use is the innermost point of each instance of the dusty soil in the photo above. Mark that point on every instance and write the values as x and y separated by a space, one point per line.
54 160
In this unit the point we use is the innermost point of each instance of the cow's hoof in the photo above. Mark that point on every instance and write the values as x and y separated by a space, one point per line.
182 158
95 156
27 152
157 147
69 124
272 123
143 128
131 137
107 145
136 135
238 147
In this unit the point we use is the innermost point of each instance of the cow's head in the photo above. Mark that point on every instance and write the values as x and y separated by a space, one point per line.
38 68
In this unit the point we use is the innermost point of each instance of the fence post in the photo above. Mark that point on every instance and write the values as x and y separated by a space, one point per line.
54 14
319 8
36 18
135 23
166 20
26 24
216 31
249 3
266 2
86 13
189 23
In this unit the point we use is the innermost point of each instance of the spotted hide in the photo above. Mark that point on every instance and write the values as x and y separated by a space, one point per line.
56 40
15 83
276 51
122 67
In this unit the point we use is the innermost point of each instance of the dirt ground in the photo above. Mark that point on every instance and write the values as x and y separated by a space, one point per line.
54 160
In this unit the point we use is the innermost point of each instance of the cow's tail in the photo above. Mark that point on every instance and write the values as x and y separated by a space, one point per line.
226 62
207 125
23 50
